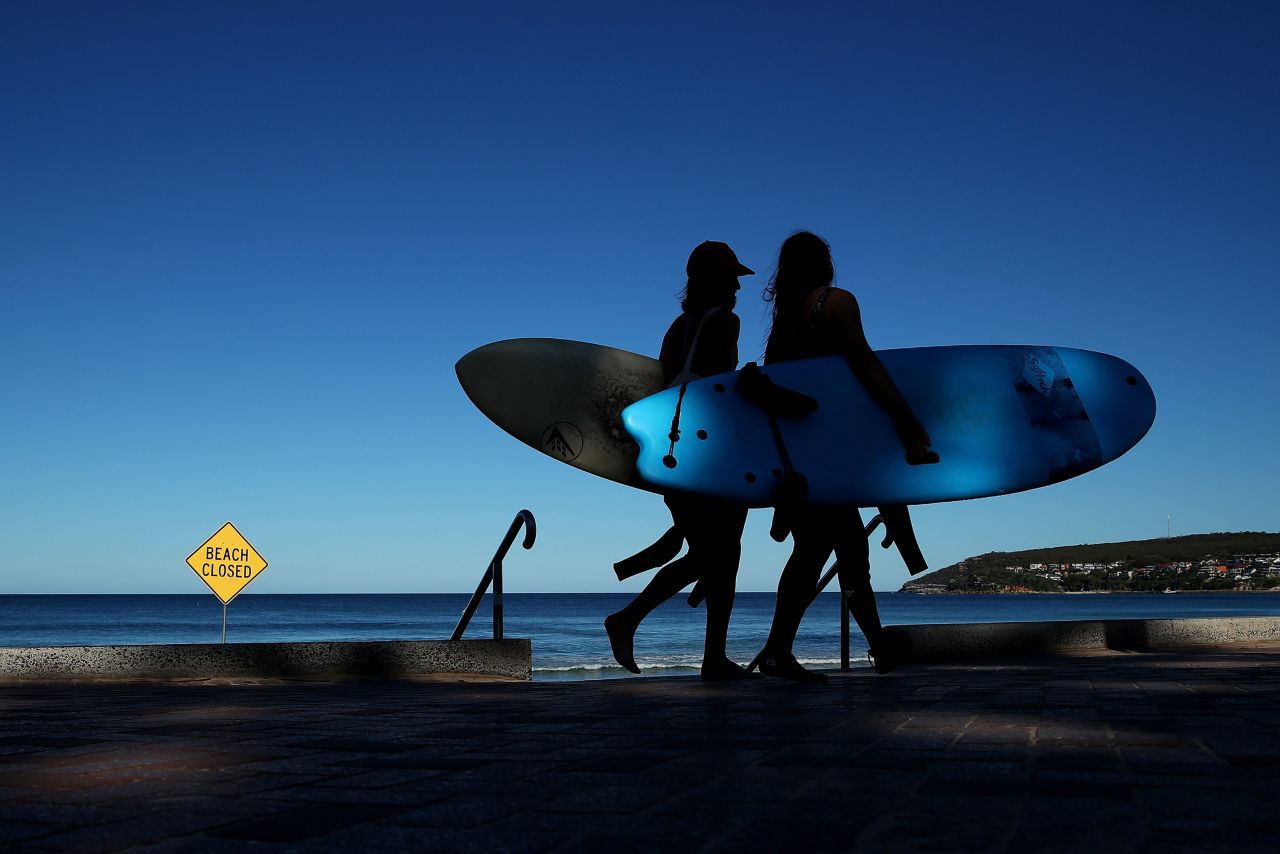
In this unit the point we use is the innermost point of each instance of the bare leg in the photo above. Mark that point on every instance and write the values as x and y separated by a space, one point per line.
719 583
862 600
666 582
795 593
855 578
719 548
720 596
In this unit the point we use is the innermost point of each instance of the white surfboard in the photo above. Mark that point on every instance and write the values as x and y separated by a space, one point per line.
564 398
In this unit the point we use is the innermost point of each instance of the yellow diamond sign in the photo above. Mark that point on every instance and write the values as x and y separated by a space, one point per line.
227 563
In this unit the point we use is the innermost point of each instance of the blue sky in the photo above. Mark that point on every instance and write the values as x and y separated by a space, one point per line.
243 244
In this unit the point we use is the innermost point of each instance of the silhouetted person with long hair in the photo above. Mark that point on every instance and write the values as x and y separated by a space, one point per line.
813 318
702 341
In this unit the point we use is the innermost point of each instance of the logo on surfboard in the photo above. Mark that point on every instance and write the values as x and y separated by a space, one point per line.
1038 375
562 440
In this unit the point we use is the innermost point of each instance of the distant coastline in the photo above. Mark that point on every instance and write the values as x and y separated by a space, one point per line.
1200 563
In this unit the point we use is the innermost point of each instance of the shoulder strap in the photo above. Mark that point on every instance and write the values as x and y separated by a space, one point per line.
820 306
686 376
686 373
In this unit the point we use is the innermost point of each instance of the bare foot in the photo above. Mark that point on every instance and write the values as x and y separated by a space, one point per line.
785 666
724 670
621 639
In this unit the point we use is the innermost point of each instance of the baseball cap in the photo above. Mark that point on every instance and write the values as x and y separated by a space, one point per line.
713 257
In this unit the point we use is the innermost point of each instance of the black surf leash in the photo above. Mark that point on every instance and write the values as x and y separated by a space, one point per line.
793 488
670 459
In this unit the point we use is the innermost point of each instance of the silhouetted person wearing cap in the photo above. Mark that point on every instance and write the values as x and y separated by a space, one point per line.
702 341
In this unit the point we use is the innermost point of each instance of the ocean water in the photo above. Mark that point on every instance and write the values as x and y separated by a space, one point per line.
568 638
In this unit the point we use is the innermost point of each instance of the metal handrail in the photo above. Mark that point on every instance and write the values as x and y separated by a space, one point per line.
494 574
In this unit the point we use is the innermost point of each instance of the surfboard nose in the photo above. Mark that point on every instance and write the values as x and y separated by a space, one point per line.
491 374
1120 402
480 362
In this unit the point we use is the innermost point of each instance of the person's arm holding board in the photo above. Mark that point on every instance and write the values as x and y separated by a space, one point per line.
845 319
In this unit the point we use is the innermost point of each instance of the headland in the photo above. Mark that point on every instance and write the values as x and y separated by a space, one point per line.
1198 562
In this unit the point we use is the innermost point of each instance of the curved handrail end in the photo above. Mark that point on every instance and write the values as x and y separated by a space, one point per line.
530 528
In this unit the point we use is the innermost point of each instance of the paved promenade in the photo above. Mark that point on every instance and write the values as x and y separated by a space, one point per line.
1096 751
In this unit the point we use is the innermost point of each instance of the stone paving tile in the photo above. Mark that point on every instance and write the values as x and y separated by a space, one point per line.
466 811
200 844
387 836
1072 735
45 741
69 814
1069 714
1073 824
625 763
419 795
929 823
326 763
375 779
606 799
700 762
353 745
984 753
829 833
305 821
744 792
962 770
979 733
1084 759
14 832
140 830
266 782
1187 755
111 792
904 760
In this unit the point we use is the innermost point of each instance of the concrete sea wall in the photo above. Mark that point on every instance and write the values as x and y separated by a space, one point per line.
953 641
390 659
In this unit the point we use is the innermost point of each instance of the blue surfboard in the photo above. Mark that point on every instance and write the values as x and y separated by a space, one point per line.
1002 418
